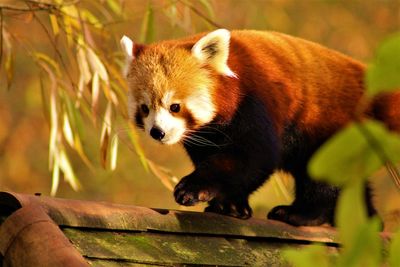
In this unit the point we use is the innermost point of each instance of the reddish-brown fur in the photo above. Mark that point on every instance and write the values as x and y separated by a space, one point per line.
297 79
306 93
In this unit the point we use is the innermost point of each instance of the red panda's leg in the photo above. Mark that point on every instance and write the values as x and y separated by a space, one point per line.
315 210
225 181
245 153
314 202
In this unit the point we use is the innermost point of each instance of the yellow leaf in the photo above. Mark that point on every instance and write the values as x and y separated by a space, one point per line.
53 126
105 135
71 12
96 64
69 174
95 93
114 152
68 131
49 61
55 178
115 6
54 24
78 148
68 30
88 16
83 66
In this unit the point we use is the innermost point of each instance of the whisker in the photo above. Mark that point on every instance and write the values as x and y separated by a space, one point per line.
195 139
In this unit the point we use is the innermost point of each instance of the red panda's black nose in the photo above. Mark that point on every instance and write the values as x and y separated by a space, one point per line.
157 133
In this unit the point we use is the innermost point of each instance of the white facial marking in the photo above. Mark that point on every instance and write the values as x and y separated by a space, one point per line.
174 128
167 98
214 50
201 106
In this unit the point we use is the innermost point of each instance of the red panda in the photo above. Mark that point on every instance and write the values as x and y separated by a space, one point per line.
244 104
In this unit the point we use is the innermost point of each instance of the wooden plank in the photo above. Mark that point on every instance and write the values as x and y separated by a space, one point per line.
117 263
168 249
109 216
30 238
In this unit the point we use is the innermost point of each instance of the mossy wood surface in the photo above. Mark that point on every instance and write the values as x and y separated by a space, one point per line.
118 235
160 249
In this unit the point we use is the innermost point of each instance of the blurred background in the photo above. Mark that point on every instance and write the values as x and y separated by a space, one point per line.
353 27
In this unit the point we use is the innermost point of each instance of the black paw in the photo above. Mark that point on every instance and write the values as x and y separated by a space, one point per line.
296 217
237 209
188 192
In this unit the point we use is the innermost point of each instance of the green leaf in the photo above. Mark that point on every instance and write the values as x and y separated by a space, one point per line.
383 74
314 255
365 250
351 204
354 153
394 250
147 30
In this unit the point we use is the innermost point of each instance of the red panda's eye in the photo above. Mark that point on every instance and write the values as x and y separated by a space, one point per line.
145 109
175 108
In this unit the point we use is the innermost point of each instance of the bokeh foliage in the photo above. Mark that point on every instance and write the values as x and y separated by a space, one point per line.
60 80
75 75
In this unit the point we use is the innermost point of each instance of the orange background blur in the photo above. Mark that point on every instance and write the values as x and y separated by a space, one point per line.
353 27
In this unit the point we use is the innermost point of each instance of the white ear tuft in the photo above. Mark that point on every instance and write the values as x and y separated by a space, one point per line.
127 46
213 49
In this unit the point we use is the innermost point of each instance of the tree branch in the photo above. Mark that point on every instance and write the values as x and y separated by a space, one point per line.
201 15
58 53
37 6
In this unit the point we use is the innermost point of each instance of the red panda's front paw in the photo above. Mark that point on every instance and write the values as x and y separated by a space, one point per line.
237 209
189 192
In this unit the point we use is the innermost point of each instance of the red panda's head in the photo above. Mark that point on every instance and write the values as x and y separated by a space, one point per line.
172 87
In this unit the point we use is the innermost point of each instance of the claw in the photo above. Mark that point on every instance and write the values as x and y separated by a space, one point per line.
190 191
239 210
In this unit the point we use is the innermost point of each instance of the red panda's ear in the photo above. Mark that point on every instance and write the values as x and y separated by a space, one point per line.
127 46
213 49
131 50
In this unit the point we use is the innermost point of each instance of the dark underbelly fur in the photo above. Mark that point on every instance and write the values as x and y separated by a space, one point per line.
233 160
